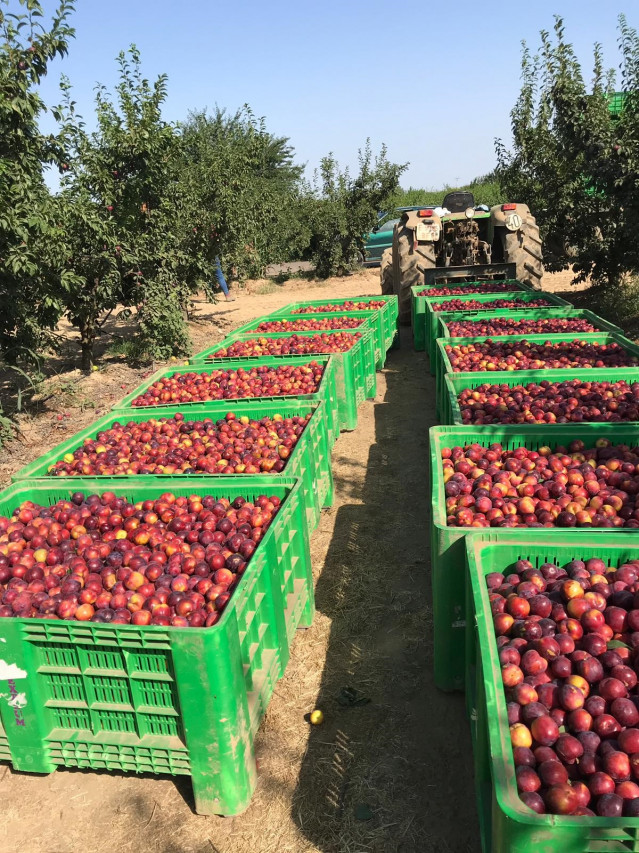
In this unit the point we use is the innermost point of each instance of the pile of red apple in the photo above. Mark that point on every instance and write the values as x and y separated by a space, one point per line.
548 402
171 561
568 641
494 305
479 287
252 381
574 486
341 306
295 345
525 326
309 325
233 445
526 355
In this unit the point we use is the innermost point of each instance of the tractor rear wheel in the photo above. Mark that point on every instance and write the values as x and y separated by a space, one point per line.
523 248
407 258
386 272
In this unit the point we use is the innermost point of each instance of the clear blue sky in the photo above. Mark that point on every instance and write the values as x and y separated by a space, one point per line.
434 80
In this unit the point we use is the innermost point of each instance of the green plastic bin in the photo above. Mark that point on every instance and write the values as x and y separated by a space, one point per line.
598 323
388 317
448 559
432 318
455 383
506 824
182 701
327 390
355 373
368 319
418 303
443 365
310 459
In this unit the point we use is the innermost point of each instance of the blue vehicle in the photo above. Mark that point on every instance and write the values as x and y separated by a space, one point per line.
381 237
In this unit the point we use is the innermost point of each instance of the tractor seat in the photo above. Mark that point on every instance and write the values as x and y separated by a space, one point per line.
458 202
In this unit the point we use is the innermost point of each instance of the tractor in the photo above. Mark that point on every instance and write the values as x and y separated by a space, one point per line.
461 241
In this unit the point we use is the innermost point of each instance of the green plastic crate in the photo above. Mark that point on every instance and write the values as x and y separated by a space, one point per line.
418 304
432 318
355 373
455 383
327 390
388 317
443 366
448 560
368 319
182 701
310 459
597 322
505 822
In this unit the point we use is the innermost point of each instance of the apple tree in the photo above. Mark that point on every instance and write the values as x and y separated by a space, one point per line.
341 209
575 161
128 218
244 182
33 279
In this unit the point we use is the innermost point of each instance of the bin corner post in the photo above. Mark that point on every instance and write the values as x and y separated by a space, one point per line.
326 469
304 558
216 718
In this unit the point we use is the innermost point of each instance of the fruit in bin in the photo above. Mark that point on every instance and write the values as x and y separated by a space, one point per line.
295 345
476 287
544 730
561 799
527 779
178 446
528 355
308 325
241 383
523 326
348 305
583 725
491 305
473 471
107 575
573 401
534 802
610 805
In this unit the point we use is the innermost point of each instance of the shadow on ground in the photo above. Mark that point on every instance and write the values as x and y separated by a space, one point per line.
390 770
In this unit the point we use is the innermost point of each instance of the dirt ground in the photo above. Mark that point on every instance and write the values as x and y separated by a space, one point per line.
393 775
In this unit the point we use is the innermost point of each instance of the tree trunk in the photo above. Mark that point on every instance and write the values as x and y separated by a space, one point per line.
87 340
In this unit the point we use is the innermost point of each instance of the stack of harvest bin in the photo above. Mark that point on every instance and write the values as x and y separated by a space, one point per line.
465 550
188 700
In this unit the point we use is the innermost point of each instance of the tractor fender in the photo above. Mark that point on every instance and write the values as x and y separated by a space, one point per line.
411 220
498 216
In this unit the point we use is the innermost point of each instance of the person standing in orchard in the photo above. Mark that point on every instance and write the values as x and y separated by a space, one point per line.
219 275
